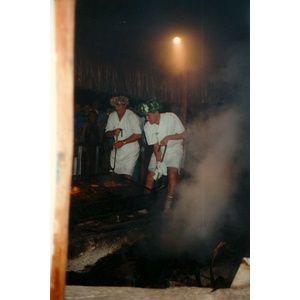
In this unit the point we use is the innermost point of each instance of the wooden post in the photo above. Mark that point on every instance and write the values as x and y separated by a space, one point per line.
64 124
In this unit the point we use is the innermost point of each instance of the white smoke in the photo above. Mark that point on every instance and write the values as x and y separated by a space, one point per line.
217 158
215 150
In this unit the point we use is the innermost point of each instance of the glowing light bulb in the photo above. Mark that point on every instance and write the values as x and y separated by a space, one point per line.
177 40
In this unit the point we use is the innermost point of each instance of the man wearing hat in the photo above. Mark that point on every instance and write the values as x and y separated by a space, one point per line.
166 133
124 126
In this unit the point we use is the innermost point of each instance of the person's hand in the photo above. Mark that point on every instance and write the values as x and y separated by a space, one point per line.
161 169
118 131
118 144
164 141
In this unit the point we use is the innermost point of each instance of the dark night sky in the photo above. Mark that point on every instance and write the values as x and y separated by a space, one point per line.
139 29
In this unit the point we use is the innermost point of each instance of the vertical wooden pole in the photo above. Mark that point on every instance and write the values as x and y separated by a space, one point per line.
64 65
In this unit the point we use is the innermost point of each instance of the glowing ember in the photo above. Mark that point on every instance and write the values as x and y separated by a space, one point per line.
112 184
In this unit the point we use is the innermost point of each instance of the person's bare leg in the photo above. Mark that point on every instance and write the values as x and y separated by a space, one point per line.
172 181
149 181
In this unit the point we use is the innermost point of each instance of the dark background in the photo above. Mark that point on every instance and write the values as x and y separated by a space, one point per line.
138 29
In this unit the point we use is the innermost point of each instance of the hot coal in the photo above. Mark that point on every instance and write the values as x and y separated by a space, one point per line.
144 264
110 215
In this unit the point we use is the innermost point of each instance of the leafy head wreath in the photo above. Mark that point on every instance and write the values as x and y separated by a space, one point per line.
150 106
119 100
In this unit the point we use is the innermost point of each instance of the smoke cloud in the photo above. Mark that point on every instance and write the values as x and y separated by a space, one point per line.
216 195
216 155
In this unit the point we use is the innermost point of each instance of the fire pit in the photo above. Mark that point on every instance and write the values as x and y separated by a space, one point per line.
114 240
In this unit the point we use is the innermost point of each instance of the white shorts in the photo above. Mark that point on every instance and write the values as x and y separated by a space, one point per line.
173 158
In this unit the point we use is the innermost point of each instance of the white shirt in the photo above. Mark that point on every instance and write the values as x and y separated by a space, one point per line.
127 155
169 124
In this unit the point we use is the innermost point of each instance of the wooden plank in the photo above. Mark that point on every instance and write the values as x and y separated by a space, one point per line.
64 40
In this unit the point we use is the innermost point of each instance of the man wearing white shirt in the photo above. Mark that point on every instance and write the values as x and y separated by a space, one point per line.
124 126
166 133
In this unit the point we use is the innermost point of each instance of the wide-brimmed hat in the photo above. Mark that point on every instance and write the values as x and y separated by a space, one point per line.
151 106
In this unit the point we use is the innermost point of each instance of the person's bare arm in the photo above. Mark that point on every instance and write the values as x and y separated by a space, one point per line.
157 153
134 137
112 133
177 136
